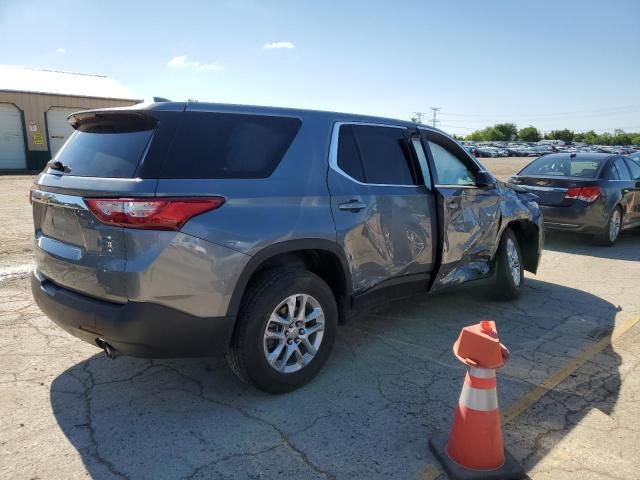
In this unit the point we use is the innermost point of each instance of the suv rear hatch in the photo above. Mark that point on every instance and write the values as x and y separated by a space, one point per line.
103 158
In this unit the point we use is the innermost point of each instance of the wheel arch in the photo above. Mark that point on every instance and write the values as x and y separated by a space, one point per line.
528 235
322 257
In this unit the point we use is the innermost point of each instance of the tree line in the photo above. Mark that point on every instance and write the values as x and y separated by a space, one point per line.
506 132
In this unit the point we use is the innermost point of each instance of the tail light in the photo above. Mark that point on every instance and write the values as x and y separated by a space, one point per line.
586 194
150 213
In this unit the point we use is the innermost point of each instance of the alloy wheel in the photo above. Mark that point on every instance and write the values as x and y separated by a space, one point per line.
514 261
294 332
614 225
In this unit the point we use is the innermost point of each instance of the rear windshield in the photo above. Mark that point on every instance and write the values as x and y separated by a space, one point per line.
563 167
223 145
106 148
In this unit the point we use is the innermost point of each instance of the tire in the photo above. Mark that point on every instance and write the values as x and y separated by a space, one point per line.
608 237
508 284
264 309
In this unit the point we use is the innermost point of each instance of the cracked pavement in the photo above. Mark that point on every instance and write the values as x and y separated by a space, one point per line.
391 382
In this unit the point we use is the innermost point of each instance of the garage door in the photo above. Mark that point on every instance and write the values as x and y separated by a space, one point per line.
58 128
12 153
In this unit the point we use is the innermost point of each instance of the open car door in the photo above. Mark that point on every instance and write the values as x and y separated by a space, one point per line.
468 204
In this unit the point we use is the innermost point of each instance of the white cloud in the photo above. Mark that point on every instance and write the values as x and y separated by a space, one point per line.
60 50
182 62
273 45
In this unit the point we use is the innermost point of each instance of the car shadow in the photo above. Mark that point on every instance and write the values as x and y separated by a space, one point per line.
626 248
391 382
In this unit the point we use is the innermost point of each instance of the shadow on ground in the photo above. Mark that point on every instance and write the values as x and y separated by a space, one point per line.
626 248
390 383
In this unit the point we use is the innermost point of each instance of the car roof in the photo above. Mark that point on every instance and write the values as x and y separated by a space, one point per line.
581 156
264 110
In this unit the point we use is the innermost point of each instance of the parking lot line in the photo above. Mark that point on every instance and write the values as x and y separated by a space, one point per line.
531 397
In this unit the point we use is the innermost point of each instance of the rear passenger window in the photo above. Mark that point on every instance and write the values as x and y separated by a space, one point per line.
614 173
225 145
623 171
635 169
348 156
382 158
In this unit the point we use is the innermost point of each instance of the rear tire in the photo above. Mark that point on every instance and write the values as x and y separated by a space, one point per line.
508 268
276 310
611 231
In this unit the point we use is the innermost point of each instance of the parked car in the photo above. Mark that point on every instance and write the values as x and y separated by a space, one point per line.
592 193
635 156
177 229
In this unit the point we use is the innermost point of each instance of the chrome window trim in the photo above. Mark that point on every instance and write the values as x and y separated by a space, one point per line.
455 185
536 188
333 152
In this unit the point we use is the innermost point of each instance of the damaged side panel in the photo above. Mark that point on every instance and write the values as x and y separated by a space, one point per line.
472 222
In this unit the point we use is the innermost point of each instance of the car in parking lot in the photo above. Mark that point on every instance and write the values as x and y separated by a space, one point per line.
591 193
188 229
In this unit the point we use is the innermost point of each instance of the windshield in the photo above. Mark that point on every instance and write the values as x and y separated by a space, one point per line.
563 167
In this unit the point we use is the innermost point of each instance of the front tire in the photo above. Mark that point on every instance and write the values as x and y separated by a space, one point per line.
285 330
611 231
508 268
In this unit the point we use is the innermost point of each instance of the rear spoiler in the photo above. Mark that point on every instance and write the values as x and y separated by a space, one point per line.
134 120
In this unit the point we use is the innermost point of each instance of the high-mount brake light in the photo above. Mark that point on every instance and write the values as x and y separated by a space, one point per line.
151 213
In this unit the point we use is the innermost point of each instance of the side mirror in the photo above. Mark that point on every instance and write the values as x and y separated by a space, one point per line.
485 179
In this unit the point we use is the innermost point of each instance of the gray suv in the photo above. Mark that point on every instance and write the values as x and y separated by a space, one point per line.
189 229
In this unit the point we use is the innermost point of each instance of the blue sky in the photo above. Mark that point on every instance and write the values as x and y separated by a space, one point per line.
548 63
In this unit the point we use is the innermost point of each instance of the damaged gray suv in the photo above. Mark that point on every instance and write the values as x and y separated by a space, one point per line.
191 229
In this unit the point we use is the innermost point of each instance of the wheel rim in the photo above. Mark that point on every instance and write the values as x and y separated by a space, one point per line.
514 261
294 332
614 225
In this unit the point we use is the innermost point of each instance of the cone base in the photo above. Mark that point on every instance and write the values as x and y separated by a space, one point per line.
511 470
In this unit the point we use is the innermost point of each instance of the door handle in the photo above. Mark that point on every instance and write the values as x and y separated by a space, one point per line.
352 206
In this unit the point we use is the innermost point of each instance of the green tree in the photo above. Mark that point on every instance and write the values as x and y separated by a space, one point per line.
529 134
477 135
565 135
504 132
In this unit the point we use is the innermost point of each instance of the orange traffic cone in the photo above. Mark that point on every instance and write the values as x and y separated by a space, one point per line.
475 449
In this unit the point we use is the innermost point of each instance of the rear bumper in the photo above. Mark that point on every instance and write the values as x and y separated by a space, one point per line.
582 219
133 328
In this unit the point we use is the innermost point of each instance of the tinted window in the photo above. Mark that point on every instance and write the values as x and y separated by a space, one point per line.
384 160
563 166
348 156
449 168
613 175
223 145
623 171
635 169
104 149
